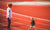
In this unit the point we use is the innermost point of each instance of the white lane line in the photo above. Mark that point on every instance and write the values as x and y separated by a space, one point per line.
17 22
30 22
11 26
45 24
30 3
42 28
17 13
21 15
16 18
18 28
28 16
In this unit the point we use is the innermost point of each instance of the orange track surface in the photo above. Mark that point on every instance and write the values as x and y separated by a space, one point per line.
16 0
40 11
22 17
18 20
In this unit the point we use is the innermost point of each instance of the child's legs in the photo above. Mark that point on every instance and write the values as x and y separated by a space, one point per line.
32 23
31 26
35 27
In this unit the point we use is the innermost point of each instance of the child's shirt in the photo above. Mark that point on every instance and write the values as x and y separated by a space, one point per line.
9 12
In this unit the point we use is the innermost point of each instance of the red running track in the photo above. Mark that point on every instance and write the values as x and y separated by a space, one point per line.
19 17
22 21
16 0
40 11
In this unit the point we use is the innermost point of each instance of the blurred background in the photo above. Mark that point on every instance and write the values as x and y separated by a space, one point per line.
23 10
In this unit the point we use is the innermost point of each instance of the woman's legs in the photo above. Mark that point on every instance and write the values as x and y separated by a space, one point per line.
9 22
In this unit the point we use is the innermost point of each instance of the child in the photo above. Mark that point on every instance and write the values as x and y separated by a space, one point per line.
32 24
9 14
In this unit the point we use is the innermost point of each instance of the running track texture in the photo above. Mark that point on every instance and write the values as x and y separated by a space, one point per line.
16 0
22 16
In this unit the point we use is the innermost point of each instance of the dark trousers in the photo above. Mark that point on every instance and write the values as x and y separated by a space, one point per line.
32 23
9 22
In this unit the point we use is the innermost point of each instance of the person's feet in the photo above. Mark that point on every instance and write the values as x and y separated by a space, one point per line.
29 29
9 29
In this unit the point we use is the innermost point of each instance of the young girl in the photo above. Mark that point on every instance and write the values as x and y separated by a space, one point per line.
32 24
9 14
